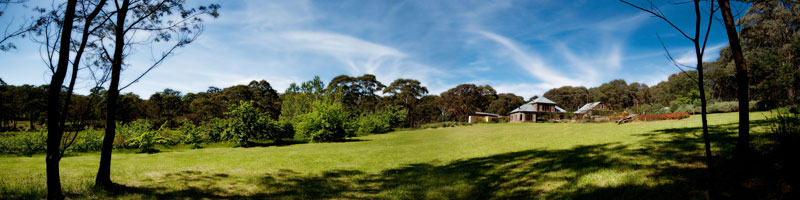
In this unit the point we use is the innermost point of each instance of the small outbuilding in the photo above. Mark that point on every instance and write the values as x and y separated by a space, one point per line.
481 116
591 109
539 109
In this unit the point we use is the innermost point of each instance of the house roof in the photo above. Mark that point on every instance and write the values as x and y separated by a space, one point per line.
543 100
486 114
559 109
587 107
528 107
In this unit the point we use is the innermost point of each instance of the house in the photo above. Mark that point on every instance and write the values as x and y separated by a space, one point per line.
481 116
539 109
591 109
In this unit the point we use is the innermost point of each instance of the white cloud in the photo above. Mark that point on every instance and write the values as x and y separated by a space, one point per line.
689 58
532 63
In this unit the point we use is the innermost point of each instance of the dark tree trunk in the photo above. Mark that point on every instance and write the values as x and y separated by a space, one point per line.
104 171
700 84
743 142
54 130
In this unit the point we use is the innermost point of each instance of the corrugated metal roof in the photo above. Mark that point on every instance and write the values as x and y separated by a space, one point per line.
585 108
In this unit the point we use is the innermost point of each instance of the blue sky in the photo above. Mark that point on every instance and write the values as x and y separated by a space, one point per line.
521 47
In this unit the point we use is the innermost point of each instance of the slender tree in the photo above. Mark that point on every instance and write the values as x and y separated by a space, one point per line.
699 49
143 17
54 130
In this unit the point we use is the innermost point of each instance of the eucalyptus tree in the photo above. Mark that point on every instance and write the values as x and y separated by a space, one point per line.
136 23
407 92
699 40
743 141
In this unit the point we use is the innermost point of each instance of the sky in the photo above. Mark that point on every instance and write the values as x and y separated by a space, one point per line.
520 47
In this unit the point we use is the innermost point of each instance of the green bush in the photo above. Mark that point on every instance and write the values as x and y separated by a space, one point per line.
246 123
90 140
280 130
25 143
445 124
649 109
327 122
685 108
191 134
394 116
372 123
214 129
785 129
126 132
148 139
723 107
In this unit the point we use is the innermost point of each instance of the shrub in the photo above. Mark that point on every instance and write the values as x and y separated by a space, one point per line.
25 143
685 108
372 123
246 123
214 129
501 119
91 140
394 116
444 125
126 132
148 139
663 116
723 107
280 130
327 122
649 109
785 128
190 134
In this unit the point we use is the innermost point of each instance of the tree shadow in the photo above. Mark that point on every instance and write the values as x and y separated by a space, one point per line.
665 164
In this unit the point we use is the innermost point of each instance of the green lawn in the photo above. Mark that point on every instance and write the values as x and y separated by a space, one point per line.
641 160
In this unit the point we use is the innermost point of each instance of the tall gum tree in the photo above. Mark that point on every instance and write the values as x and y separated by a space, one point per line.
163 23
699 49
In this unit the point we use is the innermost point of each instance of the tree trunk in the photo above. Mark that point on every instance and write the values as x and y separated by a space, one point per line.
701 86
54 130
743 142
103 178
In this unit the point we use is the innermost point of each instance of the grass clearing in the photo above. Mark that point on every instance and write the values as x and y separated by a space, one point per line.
642 160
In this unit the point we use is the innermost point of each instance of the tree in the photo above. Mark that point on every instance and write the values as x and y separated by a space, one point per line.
466 99
327 122
743 141
505 103
406 92
246 122
699 49
297 100
54 130
150 17
358 93
166 106
266 99
568 97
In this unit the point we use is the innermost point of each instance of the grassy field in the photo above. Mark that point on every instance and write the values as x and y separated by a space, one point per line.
641 160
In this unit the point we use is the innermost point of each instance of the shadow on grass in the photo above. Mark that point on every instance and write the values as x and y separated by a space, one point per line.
667 164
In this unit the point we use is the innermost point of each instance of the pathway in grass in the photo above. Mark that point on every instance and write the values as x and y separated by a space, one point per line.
570 160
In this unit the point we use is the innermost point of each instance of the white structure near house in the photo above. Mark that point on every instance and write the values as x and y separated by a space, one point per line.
481 116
